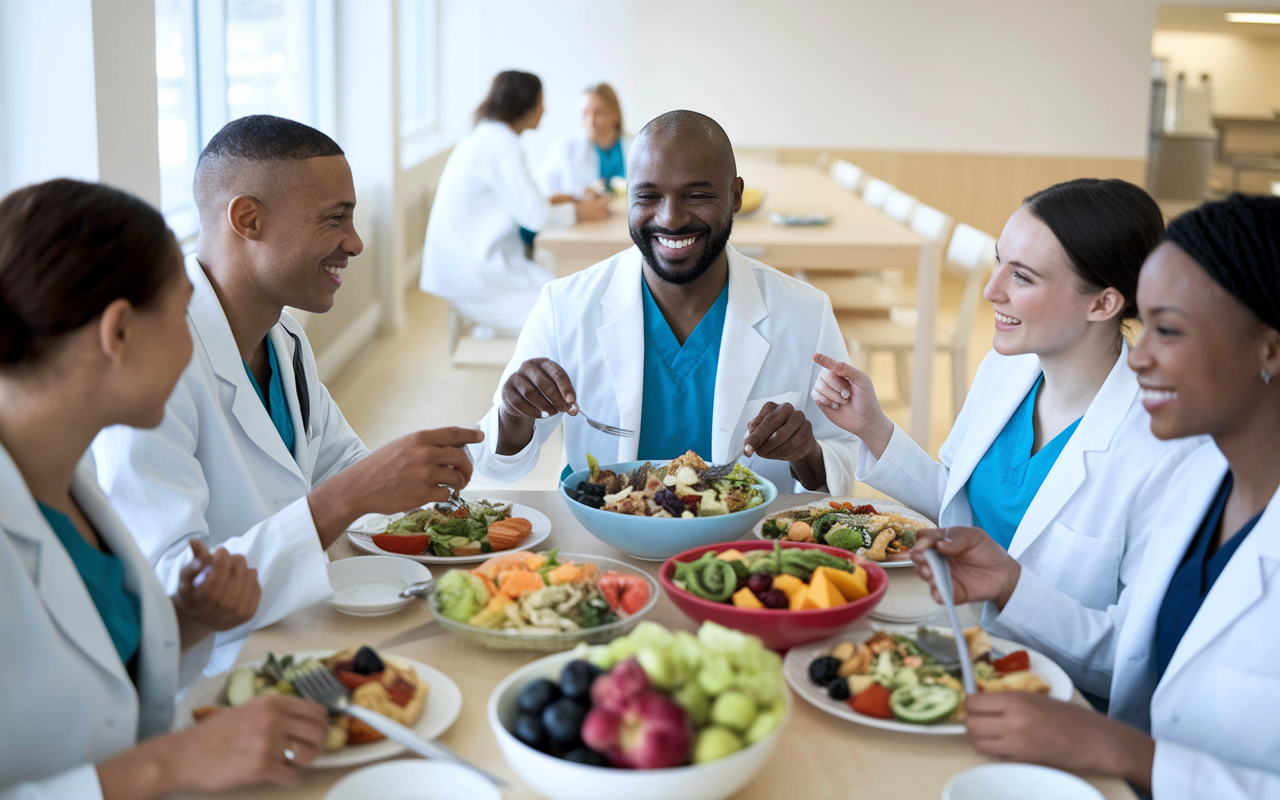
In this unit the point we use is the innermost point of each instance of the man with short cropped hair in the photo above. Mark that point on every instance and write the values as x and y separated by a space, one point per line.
253 454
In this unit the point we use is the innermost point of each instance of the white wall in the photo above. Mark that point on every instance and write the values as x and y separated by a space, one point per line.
995 76
1245 71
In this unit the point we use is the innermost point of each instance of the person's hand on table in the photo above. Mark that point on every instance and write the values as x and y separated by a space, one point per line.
540 388
1035 729
980 569
217 591
783 433
848 399
592 209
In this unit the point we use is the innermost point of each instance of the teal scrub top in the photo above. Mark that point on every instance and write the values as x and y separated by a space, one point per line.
274 401
679 382
1008 477
103 576
611 162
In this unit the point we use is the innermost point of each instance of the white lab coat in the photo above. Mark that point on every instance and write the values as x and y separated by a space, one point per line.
474 256
65 696
217 469
1086 528
1213 714
592 324
572 164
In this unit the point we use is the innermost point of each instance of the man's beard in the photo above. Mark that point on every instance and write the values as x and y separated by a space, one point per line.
716 241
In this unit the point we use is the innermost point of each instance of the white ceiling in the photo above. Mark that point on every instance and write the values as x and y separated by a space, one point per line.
1210 18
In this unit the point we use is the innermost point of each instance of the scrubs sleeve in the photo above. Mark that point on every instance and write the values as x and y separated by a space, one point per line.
519 195
80 782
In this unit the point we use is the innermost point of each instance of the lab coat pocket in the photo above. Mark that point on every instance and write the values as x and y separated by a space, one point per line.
1082 566
1243 701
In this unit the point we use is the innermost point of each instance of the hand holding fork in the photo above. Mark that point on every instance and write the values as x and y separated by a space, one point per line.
539 389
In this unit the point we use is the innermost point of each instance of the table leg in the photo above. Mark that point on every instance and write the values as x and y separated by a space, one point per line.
927 290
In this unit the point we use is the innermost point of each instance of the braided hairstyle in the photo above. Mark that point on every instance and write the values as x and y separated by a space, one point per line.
68 249
1237 241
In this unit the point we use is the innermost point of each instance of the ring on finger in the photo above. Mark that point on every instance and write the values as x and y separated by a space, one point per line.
289 755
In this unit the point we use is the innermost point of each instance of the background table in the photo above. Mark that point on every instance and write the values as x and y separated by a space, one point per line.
859 239
819 756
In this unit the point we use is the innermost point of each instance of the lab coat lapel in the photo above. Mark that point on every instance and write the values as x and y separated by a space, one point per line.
1096 430
284 346
214 334
997 406
621 339
742 354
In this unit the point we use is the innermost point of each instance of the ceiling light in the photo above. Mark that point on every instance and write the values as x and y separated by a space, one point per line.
1245 16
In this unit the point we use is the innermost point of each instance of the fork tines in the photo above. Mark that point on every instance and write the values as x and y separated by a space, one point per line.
609 429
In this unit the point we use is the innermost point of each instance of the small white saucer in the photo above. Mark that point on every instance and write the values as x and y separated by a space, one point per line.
370 586
1017 782
411 779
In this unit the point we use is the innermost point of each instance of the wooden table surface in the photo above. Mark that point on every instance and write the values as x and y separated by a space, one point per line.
819 755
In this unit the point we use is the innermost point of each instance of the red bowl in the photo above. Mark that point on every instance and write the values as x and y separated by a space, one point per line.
779 629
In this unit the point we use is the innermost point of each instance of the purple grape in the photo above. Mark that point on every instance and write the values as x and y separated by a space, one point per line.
670 501
759 583
774 598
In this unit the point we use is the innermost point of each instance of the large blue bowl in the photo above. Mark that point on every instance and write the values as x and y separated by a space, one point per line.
660 538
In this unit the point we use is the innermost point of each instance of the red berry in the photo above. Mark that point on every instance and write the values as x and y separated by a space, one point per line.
774 598
760 583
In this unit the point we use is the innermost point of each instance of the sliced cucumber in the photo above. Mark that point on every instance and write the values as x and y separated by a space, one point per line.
240 687
924 703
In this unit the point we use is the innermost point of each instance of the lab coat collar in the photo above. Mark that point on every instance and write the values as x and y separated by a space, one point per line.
214 334
1101 421
55 575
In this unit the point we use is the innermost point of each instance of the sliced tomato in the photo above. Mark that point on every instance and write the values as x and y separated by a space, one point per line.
406 544
354 680
864 509
626 592
400 692
873 701
1014 662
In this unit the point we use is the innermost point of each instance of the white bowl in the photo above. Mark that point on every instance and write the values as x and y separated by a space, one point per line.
1018 782
413 780
557 779
370 586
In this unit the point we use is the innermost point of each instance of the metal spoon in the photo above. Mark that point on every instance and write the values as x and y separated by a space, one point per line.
416 590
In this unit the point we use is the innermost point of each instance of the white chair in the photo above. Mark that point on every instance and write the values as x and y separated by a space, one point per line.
971 253
846 175
876 192
899 205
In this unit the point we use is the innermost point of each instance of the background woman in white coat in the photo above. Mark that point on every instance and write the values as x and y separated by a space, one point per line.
1193 644
1052 453
584 163
474 256
93 333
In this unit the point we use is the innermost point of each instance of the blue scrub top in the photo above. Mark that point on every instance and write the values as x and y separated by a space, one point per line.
612 164
679 382
1194 578
103 576
1008 477
274 401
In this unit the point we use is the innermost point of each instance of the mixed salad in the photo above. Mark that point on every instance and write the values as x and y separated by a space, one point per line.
889 676
793 578
463 529
536 593
875 535
685 487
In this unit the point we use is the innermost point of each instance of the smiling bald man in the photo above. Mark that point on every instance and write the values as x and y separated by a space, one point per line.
680 338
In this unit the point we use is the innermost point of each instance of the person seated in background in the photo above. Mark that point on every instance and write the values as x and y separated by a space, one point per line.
680 338
253 453
585 162
92 298
1191 649
1052 453
474 255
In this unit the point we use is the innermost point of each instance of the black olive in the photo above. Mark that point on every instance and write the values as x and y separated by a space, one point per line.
530 730
838 689
824 670
577 677
583 755
367 662
563 721
537 695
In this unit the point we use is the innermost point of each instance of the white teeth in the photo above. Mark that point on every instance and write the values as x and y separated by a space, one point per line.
1158 395
330 270
676 244
1007 320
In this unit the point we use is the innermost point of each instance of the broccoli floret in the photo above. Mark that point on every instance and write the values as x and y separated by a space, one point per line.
461 595
847 538
776 528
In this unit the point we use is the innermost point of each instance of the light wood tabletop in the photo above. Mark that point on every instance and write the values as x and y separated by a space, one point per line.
858 239
819 756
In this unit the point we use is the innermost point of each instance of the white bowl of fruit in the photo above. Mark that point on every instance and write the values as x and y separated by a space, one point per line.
652 714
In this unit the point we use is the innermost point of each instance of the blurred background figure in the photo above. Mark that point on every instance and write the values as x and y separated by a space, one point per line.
585 162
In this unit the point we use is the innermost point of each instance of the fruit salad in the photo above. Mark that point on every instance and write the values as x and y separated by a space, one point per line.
888 676
875 535
536 593
467 529
685 487
656 699
792 578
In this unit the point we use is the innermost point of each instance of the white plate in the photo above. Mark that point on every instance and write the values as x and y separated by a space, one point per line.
370 586
362 531
444 703
1018 781
413 780
882 505
795 666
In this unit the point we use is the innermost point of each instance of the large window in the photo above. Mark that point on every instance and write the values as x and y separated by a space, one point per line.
219 60
419 113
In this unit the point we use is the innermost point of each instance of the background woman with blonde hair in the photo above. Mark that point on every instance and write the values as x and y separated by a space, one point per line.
586 161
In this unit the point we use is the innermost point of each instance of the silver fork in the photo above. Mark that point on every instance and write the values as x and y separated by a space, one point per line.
612 430
318 684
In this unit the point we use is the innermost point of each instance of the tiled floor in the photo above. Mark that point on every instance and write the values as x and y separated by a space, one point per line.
406 382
